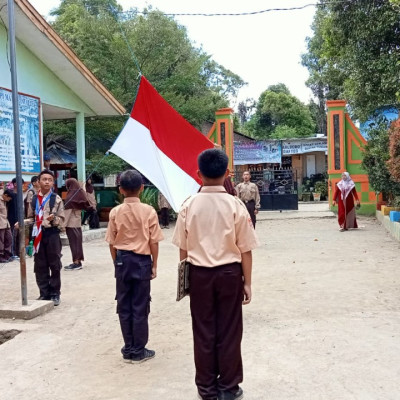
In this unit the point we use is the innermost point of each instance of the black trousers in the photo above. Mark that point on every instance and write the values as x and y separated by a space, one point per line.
132 274
216 296
164 216
251 206
47 263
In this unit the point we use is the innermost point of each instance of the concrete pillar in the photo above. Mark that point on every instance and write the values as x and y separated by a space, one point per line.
80 146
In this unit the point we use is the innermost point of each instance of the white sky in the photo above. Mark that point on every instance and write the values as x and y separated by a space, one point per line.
262 49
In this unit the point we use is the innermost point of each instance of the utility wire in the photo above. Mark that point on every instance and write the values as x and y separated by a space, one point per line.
240 14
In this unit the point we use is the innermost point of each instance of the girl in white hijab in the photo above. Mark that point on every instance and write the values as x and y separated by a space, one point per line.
344 196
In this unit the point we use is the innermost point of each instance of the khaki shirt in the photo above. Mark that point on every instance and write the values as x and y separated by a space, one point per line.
247 191
214 228
58 211
162 201
3 215
91 199
133 226
73 218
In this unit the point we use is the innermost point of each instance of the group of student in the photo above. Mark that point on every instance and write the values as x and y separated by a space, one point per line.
215 235
46 215
9 239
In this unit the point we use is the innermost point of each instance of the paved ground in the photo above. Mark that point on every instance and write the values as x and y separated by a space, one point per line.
324 322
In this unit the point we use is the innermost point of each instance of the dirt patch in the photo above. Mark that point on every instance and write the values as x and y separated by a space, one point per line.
8 335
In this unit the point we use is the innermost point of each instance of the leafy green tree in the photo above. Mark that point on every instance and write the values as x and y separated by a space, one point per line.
376 156
102 37
354 54
187 77
277 108
394 151
245 109
318 114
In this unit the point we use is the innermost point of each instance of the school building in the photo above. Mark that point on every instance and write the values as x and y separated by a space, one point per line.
53 84
278 167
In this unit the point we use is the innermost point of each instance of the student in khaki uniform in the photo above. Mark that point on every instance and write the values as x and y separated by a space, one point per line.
75 202
249 194
215 234
133 234
5 232
46 211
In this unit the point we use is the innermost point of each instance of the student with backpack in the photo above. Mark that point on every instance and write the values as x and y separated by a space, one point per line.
47 212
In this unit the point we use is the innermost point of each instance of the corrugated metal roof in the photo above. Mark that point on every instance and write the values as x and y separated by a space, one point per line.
59 156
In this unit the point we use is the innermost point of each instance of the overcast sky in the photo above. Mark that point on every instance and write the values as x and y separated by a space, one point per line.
263 49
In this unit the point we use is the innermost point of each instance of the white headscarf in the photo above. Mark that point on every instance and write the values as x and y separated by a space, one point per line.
346 185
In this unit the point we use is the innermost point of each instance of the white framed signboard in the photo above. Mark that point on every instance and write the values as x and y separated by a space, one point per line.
30 133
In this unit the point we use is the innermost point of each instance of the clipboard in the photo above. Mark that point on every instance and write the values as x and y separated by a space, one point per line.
183 280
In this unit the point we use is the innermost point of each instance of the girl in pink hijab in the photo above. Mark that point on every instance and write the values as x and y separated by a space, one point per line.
345 195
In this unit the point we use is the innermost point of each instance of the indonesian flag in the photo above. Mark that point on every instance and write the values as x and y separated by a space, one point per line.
162 145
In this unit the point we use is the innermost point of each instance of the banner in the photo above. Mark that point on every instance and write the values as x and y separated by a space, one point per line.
291 147
257 152
29 126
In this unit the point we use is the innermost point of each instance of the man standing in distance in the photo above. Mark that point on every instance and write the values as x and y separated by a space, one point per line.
248 193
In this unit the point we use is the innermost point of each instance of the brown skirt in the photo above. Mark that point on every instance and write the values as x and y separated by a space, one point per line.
75 243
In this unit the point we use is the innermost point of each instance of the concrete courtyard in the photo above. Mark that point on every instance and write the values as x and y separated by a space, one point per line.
324 322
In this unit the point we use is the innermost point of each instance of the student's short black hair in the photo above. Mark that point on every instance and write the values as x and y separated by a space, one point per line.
34 178
213 163
131 180
14 181
45 172
9 193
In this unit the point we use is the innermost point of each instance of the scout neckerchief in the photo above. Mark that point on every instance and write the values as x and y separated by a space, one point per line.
39 214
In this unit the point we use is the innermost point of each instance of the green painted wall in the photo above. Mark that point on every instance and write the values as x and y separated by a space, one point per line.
35 79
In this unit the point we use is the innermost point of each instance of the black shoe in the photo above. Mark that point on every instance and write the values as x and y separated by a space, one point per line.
73 267
44 298
200 397
147 355
238 395
56 300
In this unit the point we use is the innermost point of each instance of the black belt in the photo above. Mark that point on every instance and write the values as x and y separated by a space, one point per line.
249 201
50 229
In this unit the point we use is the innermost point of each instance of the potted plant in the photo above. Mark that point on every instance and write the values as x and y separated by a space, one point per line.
307 189
320 190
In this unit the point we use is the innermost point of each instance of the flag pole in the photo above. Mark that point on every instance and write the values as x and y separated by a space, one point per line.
17 148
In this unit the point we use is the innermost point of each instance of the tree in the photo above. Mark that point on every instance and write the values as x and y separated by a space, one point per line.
394 151
187 77
102 37
354 54
245 109
280 115
376 156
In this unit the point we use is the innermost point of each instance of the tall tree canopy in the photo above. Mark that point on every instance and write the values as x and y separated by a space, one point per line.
280 115
104 38
354 54
185 76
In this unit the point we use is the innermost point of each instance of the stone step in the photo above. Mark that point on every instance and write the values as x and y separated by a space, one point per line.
87 235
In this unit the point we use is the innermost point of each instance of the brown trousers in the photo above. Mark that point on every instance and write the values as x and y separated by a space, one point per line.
5 244
75 243
216 296
164 216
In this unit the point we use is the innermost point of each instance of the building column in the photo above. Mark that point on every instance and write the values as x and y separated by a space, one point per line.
80 146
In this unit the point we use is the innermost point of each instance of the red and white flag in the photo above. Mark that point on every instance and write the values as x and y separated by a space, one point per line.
162 145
